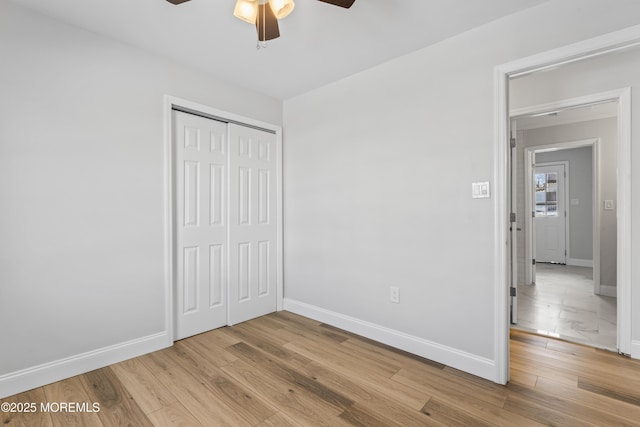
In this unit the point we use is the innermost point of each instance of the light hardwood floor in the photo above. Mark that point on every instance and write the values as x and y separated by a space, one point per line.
286 370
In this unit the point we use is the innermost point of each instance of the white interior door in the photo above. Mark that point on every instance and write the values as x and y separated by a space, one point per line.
200 223
252 223
550 213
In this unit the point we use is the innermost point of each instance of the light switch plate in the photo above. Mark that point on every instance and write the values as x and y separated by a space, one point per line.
480 190
608 205
575 202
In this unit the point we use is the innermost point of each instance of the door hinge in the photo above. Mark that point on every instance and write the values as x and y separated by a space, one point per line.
512 292
512 217
513 143
533 214
533 262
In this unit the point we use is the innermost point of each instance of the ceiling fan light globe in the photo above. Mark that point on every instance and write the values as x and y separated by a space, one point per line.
282 8
246 10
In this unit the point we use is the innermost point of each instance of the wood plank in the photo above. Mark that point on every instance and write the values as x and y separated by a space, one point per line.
583 365
291 376
533 367
143 386
470 402
529 339
279 420
579 411
623 392
523 378
241 400
210 349
293 402
444 383
71 390
30 417
411 396
359 416
372 348
271 344
368 398
174 415
343 357
521 405
117 406
192 393
610 405
450 415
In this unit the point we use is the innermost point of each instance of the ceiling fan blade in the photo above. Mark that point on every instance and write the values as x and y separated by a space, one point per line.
342 3
177 1
267 23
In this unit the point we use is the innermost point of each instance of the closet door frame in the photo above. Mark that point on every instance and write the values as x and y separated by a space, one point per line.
171 103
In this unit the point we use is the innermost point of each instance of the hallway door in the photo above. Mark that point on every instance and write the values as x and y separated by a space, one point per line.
550 214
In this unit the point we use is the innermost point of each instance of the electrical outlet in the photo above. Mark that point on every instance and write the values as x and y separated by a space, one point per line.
394 294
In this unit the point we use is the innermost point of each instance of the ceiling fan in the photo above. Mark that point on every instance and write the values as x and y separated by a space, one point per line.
265 14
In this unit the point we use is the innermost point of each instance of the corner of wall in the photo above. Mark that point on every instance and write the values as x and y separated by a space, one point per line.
47 373
467 362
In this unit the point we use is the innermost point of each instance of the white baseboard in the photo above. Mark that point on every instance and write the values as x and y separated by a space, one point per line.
635 349
47 373
452 357
608 291
580 262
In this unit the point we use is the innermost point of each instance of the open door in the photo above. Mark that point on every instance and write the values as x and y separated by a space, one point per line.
513 226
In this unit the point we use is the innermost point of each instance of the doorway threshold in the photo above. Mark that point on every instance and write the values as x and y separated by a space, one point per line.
563 337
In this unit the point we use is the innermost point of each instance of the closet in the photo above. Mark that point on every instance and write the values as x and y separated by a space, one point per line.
225 223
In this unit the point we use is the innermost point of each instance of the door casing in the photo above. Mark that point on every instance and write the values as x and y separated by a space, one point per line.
171 102
623 39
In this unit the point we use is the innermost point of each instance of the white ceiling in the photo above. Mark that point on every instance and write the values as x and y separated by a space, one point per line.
319 43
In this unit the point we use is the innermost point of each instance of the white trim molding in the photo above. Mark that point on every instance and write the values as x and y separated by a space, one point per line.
589 48
580 263
608 291
47 373
452 357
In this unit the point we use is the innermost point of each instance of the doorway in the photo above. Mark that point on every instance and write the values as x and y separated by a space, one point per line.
573 298
560 274
589 55
550 212
224 208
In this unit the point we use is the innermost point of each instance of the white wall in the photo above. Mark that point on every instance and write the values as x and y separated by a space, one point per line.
81 187
378 168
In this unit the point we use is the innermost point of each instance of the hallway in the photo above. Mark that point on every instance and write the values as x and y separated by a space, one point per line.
562 304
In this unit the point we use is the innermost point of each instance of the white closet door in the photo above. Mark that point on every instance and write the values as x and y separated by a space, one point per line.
200 146
252 223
